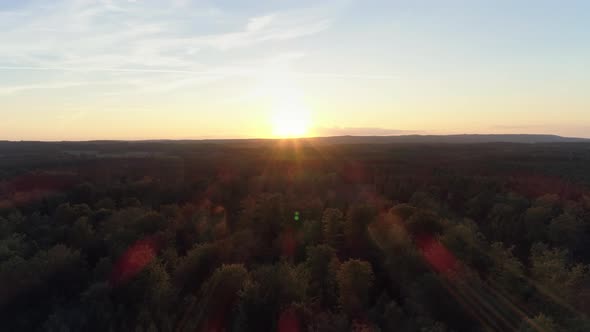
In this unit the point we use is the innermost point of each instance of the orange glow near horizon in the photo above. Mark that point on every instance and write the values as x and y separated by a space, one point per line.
291 122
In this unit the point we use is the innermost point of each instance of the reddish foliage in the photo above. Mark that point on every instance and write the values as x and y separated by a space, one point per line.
288 243
41 181
354 172
289 322
437 256
133 261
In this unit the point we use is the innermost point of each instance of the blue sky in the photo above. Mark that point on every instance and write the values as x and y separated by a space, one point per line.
191 69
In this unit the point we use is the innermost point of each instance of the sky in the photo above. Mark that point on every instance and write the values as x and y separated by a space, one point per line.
180 69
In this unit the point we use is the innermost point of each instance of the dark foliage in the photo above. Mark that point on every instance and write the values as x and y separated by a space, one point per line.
294 235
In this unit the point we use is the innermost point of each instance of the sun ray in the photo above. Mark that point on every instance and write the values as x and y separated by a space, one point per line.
290 122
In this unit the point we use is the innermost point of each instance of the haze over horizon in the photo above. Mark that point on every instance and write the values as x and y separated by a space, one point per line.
85 70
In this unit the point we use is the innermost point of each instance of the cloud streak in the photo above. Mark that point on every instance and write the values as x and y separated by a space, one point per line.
41 86
128 40
117 33
246 71
361 131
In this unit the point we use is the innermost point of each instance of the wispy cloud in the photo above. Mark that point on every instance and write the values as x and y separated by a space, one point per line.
40 86
361 131
132 38
119 33
259 22
215 72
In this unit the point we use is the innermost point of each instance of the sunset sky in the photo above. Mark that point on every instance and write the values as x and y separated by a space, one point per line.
79 70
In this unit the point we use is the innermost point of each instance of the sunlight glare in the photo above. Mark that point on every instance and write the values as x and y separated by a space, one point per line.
290 122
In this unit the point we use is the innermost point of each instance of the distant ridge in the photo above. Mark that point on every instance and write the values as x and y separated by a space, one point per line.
452 139
348 139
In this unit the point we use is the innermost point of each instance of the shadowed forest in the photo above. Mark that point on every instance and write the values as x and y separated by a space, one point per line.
294 235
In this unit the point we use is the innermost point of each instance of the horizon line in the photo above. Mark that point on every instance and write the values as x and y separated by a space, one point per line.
139 140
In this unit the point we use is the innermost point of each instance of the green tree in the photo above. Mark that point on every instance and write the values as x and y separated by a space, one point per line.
568 231
356 229
403 211
507 271
216 299
81 234
271 290
312 232
424 223
196 266
562 280
539 323
333 221
536 220
355 279
323 265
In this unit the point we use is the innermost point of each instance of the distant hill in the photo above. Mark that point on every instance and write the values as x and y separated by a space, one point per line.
149 145
451 139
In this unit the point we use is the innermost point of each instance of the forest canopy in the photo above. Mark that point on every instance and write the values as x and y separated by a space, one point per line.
294 235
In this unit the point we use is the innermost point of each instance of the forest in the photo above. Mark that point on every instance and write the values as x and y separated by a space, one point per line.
294 235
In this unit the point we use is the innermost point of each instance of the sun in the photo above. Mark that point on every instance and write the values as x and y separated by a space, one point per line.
290 122
289 115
